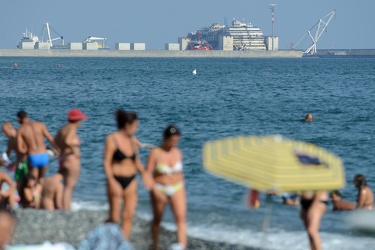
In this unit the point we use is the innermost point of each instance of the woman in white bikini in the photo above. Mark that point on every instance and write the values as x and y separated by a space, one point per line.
165 164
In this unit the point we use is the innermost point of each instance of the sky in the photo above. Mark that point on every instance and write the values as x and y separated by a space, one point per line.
156 22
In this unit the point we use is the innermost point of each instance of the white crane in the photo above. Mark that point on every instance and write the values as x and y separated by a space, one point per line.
320 27
46 32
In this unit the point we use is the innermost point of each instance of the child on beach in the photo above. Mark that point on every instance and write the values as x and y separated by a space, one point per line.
30 192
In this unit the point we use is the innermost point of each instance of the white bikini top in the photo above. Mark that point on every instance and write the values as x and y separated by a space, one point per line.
165 169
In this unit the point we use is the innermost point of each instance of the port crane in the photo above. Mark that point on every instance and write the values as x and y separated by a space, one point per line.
47 33
99 40
318 29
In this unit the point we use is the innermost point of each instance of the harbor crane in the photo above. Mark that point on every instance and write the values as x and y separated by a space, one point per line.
47 33
318 29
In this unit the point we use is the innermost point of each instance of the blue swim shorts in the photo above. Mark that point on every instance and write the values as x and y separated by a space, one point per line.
38 160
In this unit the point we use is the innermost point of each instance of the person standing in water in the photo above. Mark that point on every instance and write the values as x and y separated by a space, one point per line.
314 205
165 164
21 159
339 204
30 141
121 163
70 155
365 196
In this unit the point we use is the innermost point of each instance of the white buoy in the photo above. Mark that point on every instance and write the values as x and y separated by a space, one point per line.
194 72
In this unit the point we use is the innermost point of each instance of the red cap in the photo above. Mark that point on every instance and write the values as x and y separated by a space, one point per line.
76 115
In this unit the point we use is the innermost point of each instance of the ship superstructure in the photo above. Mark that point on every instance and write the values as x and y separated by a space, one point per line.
245 35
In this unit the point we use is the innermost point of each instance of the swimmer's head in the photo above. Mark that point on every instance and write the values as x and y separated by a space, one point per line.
127 120
22 116
171 136
308 117
360 181
336 195
7 128
7 225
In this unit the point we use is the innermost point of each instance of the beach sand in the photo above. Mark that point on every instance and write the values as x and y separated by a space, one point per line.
38 226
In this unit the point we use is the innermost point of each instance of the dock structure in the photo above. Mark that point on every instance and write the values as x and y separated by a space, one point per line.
149 53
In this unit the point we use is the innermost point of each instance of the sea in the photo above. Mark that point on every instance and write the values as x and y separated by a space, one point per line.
227 97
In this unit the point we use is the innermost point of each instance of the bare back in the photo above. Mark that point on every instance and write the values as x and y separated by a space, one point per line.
32 134
365 198
67 140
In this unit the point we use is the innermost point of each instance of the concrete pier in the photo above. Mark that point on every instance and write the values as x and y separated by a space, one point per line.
150 53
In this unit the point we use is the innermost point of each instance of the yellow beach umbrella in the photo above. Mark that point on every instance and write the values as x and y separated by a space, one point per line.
273 163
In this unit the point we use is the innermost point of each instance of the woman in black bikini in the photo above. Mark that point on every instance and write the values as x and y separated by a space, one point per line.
314 205
121 164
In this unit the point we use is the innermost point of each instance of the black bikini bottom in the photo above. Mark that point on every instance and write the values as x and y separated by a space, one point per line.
306 204
124 180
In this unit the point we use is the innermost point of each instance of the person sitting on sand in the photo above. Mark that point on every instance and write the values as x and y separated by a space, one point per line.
7 197
339 204
365 197
7 225
309 117
30 192
52 194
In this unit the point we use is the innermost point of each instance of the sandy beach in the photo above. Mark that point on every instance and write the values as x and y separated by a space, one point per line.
38 226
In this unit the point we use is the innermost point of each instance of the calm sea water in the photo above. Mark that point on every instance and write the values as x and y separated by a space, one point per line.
227 97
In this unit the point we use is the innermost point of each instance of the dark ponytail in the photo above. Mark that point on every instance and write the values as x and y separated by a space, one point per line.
123 118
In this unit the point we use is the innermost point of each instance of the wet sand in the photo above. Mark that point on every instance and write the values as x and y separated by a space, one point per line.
38 226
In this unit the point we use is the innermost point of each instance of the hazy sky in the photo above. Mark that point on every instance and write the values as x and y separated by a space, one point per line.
156 22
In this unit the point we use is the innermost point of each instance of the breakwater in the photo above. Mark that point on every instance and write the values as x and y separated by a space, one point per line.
149 53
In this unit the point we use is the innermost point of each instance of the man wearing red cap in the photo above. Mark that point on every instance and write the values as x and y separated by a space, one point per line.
70 157
30 141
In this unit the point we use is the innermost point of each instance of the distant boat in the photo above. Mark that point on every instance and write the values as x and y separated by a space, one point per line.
29 37
194 72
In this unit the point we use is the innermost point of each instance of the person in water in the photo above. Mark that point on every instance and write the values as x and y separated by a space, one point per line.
314 205
30 192
70 155
21 168
339 204
165 164
365 196
309 117
30 141
7 197
121 163
7 226
290 199
52 193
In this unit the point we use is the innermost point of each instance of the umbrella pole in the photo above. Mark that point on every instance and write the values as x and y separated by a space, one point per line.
266 222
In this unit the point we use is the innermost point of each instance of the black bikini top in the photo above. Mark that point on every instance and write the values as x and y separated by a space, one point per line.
118 155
